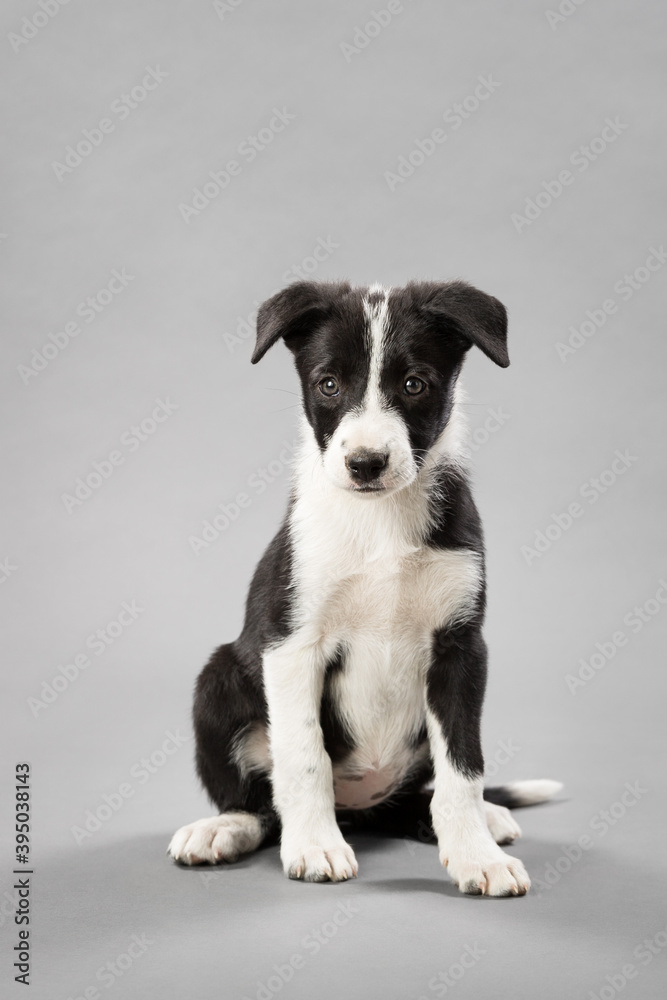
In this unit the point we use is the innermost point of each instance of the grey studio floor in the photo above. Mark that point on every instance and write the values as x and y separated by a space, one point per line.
131 276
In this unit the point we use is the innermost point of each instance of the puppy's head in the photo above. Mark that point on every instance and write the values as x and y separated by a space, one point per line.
378 369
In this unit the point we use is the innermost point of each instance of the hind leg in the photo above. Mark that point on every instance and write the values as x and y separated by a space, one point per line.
232 761
219 838
409 816
503 827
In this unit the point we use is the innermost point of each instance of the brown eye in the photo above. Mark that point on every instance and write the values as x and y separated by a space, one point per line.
413 386
329 386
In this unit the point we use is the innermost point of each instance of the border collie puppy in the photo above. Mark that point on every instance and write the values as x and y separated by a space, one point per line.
359 676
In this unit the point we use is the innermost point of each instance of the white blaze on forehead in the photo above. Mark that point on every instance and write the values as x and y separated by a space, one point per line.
376 312
373 424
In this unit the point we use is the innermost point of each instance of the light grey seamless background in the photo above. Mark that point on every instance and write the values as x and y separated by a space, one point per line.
164 337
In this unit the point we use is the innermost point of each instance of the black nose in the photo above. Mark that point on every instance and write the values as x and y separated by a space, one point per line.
366 465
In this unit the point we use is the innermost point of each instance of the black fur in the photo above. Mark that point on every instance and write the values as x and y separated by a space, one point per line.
502 795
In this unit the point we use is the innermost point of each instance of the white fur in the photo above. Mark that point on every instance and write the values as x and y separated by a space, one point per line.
217 838
467 848
312 846
502 826
251 752
453 444
530 793
376 316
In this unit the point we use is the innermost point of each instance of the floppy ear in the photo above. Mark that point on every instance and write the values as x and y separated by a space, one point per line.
476 317
293 311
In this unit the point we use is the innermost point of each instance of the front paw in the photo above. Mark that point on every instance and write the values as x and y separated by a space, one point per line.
488 873
313 863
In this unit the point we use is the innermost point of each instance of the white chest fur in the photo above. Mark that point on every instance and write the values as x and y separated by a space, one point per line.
366 583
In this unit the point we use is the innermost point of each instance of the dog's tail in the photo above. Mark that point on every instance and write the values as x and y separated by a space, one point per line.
523 793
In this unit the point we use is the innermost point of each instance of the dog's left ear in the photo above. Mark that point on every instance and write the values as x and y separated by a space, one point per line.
476 317
294 311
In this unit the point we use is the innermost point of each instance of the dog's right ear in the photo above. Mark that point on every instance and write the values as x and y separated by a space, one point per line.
295 310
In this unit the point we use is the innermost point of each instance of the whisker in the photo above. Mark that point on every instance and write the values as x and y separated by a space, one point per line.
273 388
294 406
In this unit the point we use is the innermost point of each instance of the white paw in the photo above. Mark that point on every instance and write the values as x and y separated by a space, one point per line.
503 827
218 838
488 874
320 864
